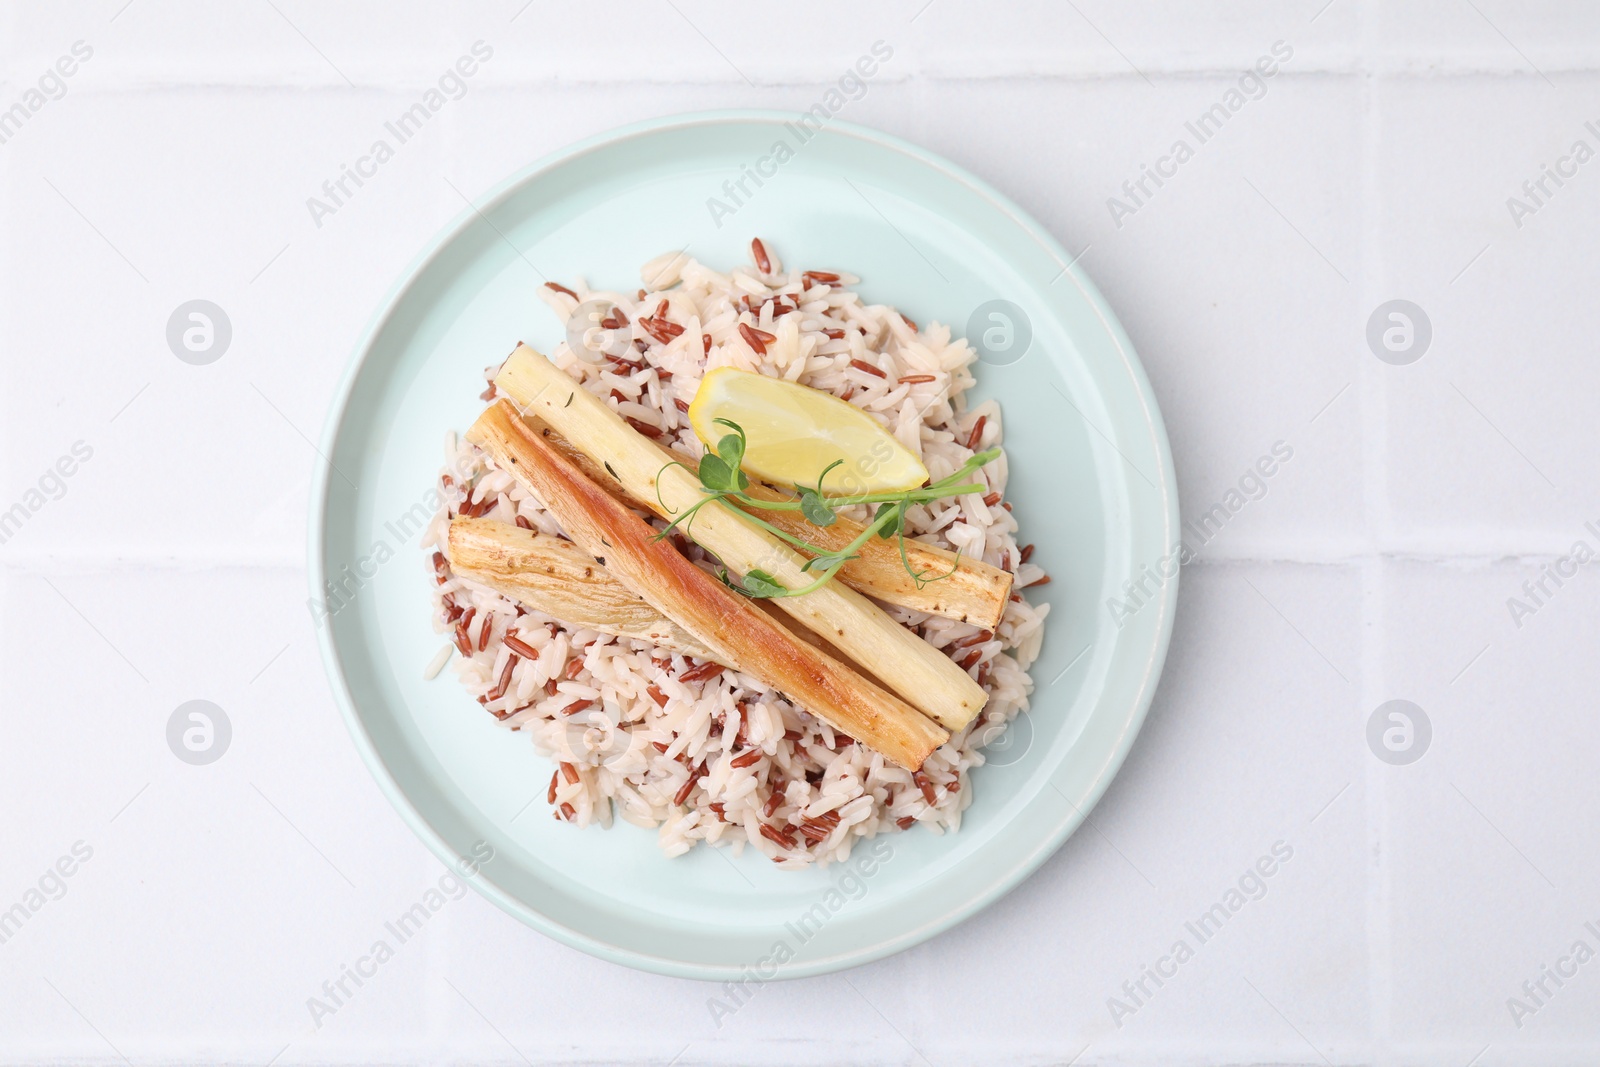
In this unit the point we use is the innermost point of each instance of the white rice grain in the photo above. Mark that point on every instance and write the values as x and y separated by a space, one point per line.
619 715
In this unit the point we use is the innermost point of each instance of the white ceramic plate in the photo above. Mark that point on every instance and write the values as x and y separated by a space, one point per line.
1091 483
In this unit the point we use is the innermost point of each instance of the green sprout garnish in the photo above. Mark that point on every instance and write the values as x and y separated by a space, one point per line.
722 479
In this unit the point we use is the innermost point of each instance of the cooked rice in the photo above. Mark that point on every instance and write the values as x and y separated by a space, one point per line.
649 736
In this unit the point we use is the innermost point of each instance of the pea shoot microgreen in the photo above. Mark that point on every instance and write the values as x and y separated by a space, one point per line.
721 478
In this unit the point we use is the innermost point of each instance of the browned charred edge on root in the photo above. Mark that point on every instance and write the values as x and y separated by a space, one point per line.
976 593
558 578
725 621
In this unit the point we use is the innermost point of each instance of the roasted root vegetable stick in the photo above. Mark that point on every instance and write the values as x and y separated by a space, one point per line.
730 626
858 628
556 577
975 592
559 579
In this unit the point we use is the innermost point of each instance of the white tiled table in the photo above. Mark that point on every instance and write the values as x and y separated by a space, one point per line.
1377 566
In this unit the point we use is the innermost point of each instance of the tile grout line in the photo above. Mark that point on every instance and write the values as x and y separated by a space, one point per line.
403 80
1375 505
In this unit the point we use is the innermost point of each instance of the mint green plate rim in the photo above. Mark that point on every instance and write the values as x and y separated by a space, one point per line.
1157 530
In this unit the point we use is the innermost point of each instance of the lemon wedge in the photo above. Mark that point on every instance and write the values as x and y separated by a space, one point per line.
793 432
